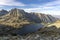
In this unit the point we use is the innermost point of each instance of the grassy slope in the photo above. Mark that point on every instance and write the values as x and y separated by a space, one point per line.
57 24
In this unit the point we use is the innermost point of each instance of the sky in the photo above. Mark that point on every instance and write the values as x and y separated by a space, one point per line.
40 6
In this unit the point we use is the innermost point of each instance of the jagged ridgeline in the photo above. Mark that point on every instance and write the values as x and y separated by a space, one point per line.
3 12
18 17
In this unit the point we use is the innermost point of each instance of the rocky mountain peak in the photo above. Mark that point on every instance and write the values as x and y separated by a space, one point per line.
16 12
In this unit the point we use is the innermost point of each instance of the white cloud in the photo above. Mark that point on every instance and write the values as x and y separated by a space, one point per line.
38 10
54 3
52 8
51 12
10 3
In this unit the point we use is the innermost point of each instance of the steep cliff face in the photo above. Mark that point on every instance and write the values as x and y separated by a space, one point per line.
39 17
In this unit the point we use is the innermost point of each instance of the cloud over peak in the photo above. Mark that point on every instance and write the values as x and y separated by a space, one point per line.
10 3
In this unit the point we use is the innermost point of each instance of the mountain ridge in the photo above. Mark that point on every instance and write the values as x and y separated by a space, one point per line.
3 12
17 17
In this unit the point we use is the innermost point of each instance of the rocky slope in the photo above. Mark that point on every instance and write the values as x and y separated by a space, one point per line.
44 17
14 18
48 33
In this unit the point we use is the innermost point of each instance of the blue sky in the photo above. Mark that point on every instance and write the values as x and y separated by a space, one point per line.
43 6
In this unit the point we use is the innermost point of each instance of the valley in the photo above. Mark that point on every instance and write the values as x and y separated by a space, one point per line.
18 24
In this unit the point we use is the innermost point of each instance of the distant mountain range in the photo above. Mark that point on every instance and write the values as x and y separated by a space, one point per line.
57 16
17 17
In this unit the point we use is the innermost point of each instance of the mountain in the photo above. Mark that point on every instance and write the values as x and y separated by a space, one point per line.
56 16
3 12
14 18
43 17
18 22
18 17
